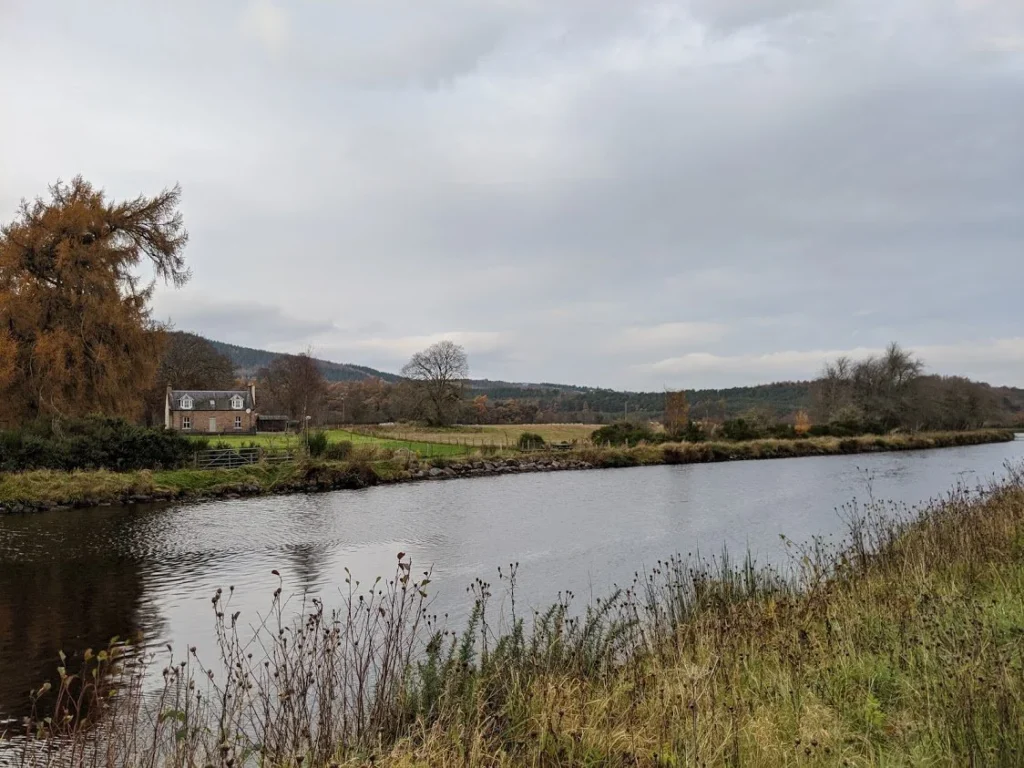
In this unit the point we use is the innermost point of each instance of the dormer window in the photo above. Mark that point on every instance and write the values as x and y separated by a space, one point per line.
186 403
237 402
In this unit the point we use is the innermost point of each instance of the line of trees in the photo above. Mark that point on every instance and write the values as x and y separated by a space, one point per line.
890 391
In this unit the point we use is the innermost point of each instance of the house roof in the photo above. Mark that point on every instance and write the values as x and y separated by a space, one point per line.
210 400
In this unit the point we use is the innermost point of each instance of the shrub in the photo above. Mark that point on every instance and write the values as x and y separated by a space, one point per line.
694 433
848 445
338 451
782 431
623 433
673 454
530 441
93 443
739 429
316 442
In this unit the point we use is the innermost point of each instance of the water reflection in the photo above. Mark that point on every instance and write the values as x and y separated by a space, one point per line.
70 580
60 604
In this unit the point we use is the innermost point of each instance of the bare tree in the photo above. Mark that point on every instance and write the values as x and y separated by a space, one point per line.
440 372
189 362
295 385
192 362
881 389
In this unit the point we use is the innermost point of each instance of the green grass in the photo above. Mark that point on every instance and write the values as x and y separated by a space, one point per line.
291 441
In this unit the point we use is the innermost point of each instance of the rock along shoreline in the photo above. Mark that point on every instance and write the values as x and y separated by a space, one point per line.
50 491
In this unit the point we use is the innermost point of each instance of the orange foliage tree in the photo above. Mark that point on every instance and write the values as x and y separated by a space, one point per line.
677 412
76 334
802 423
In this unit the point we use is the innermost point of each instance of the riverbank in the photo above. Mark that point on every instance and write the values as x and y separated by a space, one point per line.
899 646
44 490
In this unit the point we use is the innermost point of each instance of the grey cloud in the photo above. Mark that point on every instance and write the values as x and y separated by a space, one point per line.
247 323
558 173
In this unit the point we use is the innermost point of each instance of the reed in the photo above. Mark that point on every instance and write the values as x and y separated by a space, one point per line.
900 645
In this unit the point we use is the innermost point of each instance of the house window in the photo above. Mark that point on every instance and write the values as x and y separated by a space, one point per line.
186 422
236 403
185 403
238 422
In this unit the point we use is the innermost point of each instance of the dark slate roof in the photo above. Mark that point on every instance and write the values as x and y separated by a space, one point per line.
210 400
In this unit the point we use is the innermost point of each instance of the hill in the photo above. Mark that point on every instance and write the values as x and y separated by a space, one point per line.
249 361
588 404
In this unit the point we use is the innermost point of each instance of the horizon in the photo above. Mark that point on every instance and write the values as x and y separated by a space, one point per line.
539 383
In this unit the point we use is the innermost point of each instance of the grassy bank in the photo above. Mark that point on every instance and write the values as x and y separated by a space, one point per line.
371 464
724 450
902 646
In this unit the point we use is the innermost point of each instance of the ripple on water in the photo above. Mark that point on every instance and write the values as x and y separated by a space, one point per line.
73 579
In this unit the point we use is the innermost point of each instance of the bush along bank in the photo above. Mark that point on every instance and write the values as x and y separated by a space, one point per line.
48 489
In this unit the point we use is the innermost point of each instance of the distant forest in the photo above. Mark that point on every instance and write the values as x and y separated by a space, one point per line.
249 362
549 402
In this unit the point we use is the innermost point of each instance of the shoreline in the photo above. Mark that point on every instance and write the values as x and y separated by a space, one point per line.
47 490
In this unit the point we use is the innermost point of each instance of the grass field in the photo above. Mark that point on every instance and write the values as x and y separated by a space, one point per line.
422 447
500 435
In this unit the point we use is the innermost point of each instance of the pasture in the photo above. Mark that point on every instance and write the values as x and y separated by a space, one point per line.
482 435
284 442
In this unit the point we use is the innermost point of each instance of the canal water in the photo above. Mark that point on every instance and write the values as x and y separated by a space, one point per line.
70 580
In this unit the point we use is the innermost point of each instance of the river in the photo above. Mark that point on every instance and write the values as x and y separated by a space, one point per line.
73 579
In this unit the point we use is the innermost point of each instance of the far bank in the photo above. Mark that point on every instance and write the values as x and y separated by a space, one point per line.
44 489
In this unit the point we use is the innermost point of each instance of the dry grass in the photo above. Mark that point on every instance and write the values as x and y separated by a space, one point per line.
505 435
903 646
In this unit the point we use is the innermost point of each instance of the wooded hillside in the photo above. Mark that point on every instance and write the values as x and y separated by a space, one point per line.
571 403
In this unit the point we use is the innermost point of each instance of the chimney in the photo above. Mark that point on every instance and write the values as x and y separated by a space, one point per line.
252 393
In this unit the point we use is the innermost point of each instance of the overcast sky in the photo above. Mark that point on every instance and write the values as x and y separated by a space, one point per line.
624 194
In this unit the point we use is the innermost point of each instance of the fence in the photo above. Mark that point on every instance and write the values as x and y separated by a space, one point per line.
229 458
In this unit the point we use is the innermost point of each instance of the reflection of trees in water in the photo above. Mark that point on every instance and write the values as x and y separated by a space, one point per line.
53 605
307 565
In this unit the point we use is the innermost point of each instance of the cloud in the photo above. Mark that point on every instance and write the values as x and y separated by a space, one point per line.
247 323
595 192
668 335
267 23
405 346
981 359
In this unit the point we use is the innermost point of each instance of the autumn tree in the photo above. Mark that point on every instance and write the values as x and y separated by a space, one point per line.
295 386
438 373
76 334
802 422
481 407
677 412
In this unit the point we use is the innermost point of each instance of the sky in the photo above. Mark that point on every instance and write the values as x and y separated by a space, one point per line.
628 194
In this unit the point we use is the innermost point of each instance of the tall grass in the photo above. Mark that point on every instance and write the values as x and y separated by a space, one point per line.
903 645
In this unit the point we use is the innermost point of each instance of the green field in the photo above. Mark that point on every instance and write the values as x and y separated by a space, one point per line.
291 441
